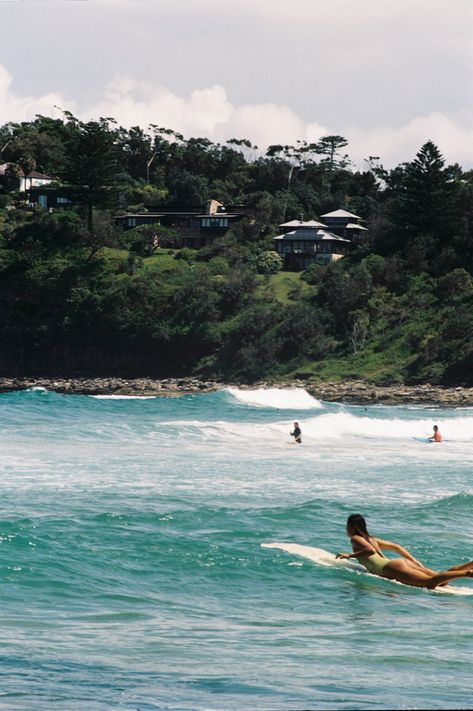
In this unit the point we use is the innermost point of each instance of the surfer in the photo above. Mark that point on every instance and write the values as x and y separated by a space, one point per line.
296 433
436 437
368 551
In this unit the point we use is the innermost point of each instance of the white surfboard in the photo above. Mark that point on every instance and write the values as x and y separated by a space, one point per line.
323 557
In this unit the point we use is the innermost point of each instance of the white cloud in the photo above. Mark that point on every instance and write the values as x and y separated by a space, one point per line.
140 103
208 112
452 133
24 108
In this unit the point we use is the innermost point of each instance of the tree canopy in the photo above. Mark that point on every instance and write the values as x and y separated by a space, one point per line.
80 295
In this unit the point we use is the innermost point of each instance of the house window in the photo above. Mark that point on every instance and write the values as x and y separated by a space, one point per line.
131 222
215 222
62 201
42 200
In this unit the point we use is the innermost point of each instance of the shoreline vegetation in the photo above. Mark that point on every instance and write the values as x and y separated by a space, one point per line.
350 392
92 282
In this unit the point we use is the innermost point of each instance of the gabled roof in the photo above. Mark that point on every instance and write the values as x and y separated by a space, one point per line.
340 213
300 223
33 174
38 176
353 226
311 235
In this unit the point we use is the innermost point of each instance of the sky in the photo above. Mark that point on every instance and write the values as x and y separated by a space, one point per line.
386 74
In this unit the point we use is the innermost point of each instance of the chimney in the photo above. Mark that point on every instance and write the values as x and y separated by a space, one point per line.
212 207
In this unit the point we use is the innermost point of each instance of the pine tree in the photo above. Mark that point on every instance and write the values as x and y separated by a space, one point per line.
428 204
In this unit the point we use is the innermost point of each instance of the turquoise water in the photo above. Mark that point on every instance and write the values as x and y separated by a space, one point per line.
132 575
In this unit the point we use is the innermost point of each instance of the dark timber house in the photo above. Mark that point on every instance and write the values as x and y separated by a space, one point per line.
193 228
301 244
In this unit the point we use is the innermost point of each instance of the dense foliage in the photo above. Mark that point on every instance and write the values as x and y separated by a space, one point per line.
80 296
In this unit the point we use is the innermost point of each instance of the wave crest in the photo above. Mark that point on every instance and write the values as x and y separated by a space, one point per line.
278 398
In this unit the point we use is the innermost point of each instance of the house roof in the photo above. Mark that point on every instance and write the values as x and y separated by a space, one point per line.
314 235
33 174
38 176
139 214
353 226
300 223
216 215
340 213
196 215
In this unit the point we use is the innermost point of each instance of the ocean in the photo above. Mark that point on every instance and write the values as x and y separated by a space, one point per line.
132 572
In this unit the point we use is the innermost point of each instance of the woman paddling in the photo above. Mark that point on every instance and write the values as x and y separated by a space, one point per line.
405 570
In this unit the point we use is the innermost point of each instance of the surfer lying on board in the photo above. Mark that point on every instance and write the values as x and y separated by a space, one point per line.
436 437
297 433
407 570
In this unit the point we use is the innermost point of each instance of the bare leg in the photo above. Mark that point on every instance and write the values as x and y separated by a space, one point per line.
419 566
463 566
398 569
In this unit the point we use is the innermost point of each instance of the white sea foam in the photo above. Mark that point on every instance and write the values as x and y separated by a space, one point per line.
279 398
338 425
344 424
124 397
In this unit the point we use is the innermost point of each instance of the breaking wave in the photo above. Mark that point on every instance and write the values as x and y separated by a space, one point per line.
278 398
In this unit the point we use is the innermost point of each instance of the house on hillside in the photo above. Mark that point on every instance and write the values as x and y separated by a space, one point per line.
344 224
17 180
50 198
303 246
36 185
194 228
136 219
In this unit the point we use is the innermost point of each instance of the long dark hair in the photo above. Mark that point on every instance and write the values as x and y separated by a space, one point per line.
357 524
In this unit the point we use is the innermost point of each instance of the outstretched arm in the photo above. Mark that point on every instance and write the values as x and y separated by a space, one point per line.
389 546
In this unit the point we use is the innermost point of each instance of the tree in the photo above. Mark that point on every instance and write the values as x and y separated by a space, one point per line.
145 239
93 162
137 151
424 210
247 149
360 330
331 147
268 262
27 164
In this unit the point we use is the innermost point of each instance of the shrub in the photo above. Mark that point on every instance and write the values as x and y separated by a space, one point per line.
268 262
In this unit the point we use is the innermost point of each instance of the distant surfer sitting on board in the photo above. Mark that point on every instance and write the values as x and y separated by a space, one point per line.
436 437
407 569
296 433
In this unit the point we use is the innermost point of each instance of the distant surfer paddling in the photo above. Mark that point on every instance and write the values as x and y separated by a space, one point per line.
368 551
296 433
436 437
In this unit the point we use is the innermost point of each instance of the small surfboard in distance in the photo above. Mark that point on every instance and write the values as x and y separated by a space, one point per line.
325 558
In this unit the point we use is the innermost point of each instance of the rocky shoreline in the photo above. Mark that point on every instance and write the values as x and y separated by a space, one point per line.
350 392
144 387
360 393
